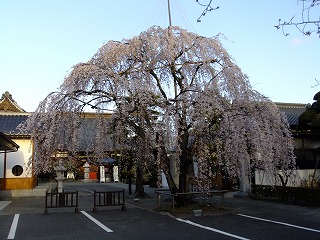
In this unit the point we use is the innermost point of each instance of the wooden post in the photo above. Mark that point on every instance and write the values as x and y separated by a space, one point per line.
5 170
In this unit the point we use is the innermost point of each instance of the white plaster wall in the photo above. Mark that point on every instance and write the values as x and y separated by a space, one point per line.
1 164
21 157
297 178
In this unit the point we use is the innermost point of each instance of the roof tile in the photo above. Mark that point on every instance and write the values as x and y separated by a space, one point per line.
9 123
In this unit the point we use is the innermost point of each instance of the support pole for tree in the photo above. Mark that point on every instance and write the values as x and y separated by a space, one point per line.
170 25
169 13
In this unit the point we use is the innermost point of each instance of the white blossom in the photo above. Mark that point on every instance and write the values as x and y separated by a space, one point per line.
170 92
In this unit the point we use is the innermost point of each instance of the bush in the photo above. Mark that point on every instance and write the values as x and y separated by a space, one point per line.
310 196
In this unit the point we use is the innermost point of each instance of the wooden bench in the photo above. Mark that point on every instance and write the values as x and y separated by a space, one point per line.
166 192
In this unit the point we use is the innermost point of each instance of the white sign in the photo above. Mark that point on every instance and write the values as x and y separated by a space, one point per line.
102 175
115 174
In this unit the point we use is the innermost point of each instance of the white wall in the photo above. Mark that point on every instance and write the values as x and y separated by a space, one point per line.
21 157
1 164
297 178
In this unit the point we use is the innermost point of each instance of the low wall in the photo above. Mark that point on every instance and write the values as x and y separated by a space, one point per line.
39 191
17 183
297 178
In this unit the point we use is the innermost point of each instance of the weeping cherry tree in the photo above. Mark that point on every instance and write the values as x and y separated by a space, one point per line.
175 98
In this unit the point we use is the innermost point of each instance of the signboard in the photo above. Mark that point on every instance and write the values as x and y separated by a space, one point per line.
102 175
115 174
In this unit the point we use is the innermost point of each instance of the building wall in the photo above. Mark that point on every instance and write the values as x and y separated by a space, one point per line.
306 143
298 178
18 171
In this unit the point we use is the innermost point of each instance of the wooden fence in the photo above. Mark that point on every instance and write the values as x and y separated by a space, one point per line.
61 200
108 198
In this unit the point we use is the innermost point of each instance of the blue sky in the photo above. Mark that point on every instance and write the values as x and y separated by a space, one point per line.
40 41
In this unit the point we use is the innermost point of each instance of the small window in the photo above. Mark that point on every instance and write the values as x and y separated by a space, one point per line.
17 170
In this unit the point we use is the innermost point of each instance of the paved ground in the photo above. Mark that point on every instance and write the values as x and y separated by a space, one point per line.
26 205
235 205
23 218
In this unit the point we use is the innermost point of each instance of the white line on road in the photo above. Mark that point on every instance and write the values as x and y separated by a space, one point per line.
13 228
3 204
281 223
96 222
211 229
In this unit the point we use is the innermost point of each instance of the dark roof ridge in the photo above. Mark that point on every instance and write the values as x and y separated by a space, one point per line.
291 105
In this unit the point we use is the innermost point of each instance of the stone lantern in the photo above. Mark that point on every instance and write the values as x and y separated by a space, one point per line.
60 175
86 167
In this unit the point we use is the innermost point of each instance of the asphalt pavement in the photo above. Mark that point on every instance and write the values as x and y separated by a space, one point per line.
242 217
23 205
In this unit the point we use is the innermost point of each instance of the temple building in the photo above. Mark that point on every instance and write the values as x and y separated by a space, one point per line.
16 170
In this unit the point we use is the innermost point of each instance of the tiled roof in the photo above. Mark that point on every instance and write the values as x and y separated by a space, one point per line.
292 111
9 123
7 104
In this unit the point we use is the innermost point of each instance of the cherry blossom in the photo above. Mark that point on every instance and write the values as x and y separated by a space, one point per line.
171 96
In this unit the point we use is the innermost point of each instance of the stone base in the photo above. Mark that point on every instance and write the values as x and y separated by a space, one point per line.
39 191
89 180
197 212
241 194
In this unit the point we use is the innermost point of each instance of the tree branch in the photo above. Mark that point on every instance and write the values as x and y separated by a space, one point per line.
208 8
151 71
306 26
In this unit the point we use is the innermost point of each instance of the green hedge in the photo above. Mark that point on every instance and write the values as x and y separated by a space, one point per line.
287 194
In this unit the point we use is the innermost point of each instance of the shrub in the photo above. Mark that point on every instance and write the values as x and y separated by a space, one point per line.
303 195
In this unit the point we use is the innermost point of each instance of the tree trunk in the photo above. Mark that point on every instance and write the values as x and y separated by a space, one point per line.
172 185
183 199
180 200
139 192
184 163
